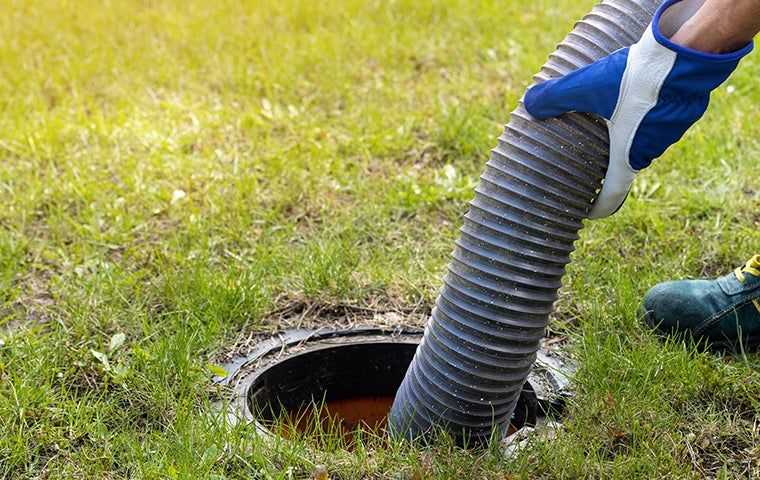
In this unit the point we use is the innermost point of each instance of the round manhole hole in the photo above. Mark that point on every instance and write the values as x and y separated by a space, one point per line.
341 380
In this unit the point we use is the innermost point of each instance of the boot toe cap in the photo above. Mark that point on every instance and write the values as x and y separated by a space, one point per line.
674 307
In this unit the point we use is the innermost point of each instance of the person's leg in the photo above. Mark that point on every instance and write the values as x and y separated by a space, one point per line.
724 312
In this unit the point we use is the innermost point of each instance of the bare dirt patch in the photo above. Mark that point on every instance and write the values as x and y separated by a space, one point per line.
293 313
33 306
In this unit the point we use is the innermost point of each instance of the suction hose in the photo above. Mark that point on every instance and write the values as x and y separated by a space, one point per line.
538 186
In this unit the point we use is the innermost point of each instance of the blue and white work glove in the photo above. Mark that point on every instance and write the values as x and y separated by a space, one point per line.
650 94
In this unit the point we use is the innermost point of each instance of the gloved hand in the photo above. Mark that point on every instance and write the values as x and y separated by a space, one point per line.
650 94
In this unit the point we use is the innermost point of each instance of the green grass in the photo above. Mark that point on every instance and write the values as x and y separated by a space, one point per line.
173 171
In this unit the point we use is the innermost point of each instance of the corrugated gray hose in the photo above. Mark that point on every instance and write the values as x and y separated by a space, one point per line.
481 340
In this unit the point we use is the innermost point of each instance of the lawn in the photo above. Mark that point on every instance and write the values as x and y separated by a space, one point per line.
173 172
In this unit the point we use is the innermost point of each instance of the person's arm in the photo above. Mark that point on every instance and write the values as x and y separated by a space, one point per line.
652 92
720 26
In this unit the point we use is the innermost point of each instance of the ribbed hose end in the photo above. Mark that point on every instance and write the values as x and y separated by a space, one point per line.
537 188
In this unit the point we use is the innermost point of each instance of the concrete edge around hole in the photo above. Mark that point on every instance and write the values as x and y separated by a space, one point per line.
550 378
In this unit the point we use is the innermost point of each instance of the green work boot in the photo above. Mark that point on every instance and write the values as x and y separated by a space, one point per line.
723 313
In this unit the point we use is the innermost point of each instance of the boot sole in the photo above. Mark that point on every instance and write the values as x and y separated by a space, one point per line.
749 343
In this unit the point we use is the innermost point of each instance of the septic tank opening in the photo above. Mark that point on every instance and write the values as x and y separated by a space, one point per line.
342 388
357 371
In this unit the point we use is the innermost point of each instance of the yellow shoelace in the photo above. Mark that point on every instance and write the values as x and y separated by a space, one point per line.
752 267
